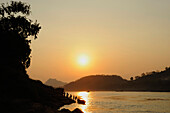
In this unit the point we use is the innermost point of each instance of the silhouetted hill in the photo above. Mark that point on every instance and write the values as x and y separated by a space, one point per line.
151 81
55 83
97 83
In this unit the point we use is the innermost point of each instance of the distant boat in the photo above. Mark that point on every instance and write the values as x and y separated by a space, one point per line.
88 91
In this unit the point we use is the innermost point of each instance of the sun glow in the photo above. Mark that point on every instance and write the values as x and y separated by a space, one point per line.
83 60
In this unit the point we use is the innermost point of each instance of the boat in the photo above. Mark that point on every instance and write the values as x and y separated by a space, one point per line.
81 101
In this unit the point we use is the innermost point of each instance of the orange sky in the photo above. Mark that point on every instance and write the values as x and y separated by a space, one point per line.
123 37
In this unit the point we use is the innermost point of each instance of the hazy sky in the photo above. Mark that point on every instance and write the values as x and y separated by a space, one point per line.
123 37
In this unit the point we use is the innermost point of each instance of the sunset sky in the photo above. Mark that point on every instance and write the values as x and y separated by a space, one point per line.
85 37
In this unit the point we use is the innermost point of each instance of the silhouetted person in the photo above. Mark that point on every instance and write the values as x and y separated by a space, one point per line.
70 96
76 98
67 95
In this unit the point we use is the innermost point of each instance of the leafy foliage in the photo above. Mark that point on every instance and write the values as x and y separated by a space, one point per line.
15 30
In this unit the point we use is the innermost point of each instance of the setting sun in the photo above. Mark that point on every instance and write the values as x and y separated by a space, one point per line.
83 60
85 56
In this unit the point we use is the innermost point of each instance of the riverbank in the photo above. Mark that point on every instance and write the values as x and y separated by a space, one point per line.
20 94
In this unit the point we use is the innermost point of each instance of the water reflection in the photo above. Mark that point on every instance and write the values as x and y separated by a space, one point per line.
84 96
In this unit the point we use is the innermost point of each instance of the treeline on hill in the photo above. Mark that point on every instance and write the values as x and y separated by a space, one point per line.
150 81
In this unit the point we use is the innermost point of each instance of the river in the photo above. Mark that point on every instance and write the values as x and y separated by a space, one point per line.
122 102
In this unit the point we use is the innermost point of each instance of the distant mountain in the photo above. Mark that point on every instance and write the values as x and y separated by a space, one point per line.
151 81
55 83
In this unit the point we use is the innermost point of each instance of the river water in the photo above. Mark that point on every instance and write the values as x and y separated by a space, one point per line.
122 102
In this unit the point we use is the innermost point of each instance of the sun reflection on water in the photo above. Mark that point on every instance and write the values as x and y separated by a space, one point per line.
84 96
